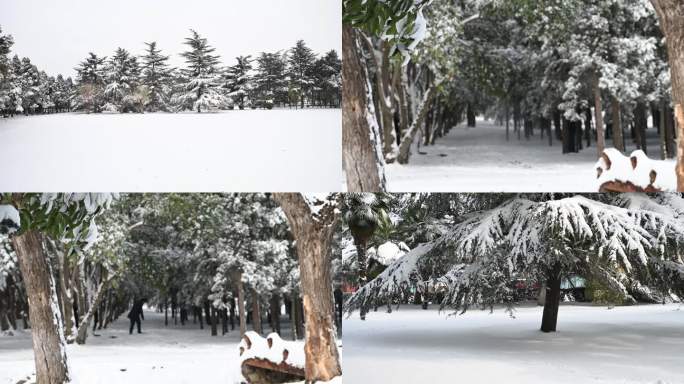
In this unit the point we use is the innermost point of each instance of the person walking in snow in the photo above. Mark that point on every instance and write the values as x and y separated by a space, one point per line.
136 314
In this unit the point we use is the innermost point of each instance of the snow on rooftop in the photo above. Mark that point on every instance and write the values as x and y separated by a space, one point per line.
637 170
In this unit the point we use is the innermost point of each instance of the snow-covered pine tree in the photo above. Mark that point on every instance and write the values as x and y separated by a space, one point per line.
157 76
6 73
122 80
328 79
270 82
631 244
201 79
238 81
301 62
90 83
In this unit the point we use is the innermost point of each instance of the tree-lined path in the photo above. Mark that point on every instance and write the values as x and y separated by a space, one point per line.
480 159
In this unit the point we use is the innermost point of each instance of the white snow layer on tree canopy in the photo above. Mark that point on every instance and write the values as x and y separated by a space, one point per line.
9 219
258 348
521 235
637 169
393 280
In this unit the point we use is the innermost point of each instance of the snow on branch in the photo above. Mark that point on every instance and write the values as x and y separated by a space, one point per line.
392 282
321 204
636 173
614 241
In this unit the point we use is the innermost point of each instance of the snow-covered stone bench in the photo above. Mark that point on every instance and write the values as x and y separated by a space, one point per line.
271 360
636 173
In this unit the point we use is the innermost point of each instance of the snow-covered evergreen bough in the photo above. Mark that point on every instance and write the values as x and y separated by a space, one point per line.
629 243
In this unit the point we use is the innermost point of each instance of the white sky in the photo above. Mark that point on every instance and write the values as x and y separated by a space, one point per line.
58 34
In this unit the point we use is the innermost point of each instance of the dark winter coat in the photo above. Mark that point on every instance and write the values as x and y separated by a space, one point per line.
137 310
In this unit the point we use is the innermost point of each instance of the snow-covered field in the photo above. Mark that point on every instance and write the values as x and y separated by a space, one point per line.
240 151
626 345
159 355
481 160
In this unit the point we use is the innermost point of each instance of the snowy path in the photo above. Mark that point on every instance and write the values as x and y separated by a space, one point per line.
481 160
172 355
236 151
626 345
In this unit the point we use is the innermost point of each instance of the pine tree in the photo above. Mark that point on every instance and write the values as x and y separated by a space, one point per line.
238 81
6 73
201 80
122 75
628 243
90 83
270 82
157 76
328 81
301 63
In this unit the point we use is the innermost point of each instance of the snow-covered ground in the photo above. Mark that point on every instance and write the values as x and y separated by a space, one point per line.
169 355
481 160
237 151
626 345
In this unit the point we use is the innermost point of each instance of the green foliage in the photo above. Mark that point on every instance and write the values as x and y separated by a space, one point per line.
600 293
394 20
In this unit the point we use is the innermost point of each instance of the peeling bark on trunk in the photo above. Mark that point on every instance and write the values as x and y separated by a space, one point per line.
670 14
46 321
361 154
313 238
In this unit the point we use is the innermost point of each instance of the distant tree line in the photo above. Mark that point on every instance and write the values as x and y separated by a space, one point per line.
123 82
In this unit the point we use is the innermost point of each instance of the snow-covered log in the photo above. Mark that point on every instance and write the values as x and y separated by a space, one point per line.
271 359
636 173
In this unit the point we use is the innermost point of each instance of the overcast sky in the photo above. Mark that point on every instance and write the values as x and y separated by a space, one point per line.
57 35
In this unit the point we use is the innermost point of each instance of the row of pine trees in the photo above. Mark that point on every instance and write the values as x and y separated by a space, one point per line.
124 82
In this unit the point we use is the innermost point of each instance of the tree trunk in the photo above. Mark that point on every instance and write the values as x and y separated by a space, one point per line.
361 262
241 305
361 141
46 321
214 321
405 147
618 139
256 313
552 301
641 123
400 90
508 123
67 301
384 103
470 112
82 333
313 240
670 14
598 112
663 130
293 317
